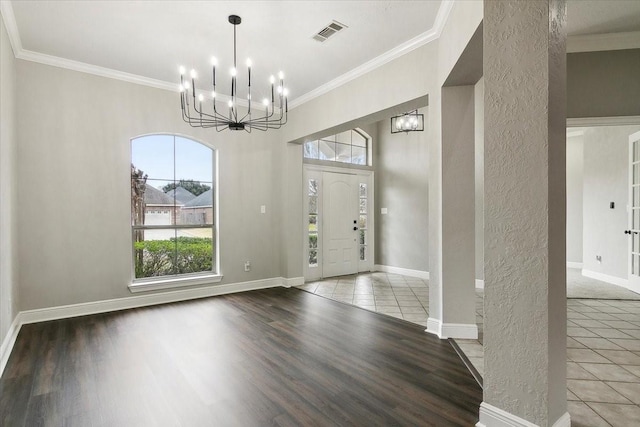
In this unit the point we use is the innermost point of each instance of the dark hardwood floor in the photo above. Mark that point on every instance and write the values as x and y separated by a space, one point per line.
273 357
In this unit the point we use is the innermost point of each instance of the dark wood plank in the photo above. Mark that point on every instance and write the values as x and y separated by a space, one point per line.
272 357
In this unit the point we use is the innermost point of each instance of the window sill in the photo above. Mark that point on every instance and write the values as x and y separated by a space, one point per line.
182 282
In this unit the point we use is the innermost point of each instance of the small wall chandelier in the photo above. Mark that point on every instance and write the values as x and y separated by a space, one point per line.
407 122
193 112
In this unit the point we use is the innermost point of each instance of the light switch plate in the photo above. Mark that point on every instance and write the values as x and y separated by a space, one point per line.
263 209
383 211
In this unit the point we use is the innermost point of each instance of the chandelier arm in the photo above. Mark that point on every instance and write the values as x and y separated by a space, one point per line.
243 119
205 117
215 116
266 122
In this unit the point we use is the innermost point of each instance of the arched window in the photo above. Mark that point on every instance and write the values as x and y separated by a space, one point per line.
350 147
173 222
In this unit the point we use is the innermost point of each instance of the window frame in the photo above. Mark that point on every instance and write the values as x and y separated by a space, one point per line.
334 140
188 279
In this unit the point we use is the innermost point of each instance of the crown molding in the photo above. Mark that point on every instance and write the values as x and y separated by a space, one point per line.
584 43
390 55
83 67
6 10
27 55
600 42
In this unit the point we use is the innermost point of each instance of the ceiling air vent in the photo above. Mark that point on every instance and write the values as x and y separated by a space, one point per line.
328 31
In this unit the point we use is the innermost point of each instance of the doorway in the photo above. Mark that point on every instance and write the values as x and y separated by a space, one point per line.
602 211
338 225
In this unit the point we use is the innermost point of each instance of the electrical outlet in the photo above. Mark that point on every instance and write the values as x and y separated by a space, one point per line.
247 266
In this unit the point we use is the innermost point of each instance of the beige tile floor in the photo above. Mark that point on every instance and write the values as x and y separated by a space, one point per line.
391 294
603 341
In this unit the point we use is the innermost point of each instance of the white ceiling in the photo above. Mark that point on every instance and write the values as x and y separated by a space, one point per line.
602 16
152 38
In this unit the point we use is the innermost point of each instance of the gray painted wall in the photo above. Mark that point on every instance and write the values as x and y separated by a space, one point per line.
8 187
575 166
73 183
401 186
606 180
603 84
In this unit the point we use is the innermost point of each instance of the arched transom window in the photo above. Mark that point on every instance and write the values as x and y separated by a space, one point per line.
350 147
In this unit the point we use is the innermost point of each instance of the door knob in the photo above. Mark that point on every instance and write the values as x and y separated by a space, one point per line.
627 231
355 228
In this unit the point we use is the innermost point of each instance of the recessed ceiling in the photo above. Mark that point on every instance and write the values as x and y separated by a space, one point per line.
152 38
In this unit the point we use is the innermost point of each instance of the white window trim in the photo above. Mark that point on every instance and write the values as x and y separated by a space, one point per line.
174 282
186 280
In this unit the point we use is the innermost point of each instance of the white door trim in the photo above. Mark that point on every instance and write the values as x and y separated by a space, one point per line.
309 171
633 281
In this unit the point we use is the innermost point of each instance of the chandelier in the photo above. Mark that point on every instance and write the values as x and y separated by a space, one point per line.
201 111
407 122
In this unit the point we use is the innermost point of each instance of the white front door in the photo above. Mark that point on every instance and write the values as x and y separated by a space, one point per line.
340 224
634 212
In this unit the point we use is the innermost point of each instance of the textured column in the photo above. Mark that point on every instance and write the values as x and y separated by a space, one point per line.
453 312
525 230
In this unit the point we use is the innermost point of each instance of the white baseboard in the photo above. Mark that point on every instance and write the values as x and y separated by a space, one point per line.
563 421
8 342
571 264
464 331
634 288
294 281
95 307
606 278
467 331
403 271
479 284
490 416
434 326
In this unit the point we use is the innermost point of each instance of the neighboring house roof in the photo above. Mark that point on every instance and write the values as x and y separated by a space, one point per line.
182 195
153 196
205 200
